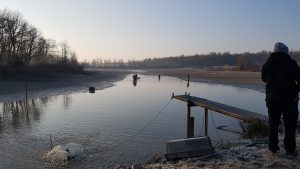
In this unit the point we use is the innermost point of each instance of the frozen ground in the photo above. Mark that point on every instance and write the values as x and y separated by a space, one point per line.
242 154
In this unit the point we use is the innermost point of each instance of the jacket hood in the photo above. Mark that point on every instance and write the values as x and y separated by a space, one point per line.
281 47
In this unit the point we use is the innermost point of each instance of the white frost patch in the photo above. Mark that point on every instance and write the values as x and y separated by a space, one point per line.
61 154
58 154
241 154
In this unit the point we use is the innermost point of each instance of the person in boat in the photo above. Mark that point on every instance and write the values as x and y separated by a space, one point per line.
281 74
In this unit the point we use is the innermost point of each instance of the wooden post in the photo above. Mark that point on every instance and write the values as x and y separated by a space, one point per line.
206 121
192 122
26 97
188 120
26 91
51 145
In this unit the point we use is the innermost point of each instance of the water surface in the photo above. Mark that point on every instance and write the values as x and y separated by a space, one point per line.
102 121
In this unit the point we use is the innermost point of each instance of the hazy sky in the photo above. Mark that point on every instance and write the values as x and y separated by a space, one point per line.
127 29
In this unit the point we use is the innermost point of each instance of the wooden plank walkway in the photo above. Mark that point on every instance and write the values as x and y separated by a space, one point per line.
227 110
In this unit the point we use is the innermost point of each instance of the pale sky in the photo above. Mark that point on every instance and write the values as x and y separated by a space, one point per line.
138 29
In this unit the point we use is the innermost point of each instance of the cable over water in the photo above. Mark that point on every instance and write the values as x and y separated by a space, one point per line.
137 133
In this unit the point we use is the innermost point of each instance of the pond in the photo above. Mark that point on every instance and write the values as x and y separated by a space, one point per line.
104 122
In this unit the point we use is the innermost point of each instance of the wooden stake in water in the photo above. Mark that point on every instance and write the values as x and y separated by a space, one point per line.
26 97
51 142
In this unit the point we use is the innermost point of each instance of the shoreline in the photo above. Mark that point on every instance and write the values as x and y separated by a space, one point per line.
60 84
65 83
240 79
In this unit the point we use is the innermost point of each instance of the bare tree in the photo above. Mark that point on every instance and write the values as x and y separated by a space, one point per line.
64 51
21 42
32 38
3 35
73 58
14 24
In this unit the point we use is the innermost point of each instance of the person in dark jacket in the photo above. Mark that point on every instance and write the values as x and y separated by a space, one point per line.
282 76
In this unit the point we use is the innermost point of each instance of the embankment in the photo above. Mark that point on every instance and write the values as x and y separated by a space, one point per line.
57 84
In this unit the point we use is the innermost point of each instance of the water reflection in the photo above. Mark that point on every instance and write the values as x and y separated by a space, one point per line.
188 81
17 114
102 120
45 100
134 82
67 100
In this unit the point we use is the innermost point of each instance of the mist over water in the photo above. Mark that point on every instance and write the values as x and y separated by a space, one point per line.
102 121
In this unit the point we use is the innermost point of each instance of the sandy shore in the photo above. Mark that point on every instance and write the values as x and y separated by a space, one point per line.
243 79
57 84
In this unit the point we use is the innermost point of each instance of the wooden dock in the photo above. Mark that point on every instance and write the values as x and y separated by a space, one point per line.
240 114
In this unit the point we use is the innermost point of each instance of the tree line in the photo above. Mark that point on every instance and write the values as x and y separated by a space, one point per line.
22 44
239 61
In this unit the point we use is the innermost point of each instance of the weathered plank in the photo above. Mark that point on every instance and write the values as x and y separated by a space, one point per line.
227 110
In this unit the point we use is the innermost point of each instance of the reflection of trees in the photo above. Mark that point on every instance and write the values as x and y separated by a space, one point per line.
44 100
16 113
67 101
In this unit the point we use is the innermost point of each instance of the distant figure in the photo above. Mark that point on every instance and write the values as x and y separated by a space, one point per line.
158 77
282 76
135 78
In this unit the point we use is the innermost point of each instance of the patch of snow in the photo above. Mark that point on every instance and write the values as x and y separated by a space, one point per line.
61 154
58 154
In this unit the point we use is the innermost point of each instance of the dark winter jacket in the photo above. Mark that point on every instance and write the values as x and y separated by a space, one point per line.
282 76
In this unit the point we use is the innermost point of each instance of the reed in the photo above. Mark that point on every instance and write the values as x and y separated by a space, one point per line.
253 129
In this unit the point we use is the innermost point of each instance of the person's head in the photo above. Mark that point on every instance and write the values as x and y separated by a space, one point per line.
281 47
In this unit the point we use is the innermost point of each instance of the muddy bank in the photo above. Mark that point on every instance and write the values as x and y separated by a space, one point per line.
242 79
57 84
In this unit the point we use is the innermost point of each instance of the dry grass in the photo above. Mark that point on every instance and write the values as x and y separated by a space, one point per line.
253 130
